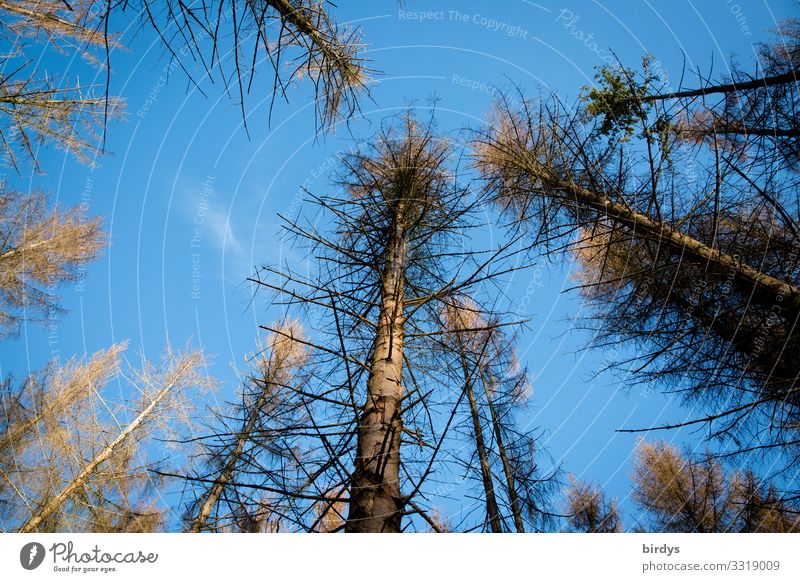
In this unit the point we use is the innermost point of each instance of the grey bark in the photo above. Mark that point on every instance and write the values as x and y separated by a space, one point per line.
376 504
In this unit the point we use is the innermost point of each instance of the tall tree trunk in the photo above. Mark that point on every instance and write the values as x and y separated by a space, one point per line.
513 497
492 510
376 504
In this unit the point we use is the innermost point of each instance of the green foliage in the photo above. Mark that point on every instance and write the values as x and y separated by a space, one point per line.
617 98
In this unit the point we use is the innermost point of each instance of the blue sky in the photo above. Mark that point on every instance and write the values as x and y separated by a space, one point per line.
191 201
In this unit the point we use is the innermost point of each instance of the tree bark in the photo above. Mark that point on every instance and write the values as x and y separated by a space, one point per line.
513 497
376 504
766 290
492 510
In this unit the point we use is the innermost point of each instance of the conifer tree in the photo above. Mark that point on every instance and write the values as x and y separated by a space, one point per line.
375 417
41 248
74 458
679 207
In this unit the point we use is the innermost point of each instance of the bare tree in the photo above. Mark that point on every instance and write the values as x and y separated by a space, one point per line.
373 422
461 318
682 493
68 384
298 38
406 181
485 359
295 38
36 107
761 507
697 325
34 111
40 249
276 368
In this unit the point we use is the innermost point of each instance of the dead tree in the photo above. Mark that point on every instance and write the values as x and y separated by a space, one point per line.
298 38
492 509
405 181
40 249
678 492
295 38
374 420
68 384
67 462
35 110
497 389
38 107
232 453
588 510
696 495
686 237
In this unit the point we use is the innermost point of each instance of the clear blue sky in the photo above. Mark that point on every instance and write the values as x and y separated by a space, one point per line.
185 192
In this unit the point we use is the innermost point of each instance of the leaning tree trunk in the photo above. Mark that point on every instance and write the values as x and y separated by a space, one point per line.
200 520
763 288
83 477
376 504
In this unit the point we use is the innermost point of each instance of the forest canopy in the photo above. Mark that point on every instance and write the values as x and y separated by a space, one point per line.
401 338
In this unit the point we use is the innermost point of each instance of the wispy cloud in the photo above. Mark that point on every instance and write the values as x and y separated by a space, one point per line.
221 233
214 225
